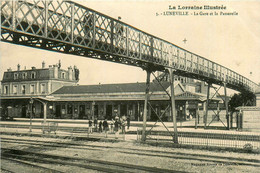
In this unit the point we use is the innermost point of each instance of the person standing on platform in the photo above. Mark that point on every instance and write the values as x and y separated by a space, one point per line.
116 117
100 126
112 126
116 129
128 122
123 118
95 124
105 127
89 126
123 126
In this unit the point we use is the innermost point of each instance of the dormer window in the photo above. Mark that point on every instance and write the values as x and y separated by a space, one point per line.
24 75
33 75
63 75
15 76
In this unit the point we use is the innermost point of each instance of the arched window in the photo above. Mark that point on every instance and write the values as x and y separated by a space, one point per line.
33 75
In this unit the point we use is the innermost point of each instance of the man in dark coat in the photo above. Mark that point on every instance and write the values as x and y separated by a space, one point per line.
100 126
128 121
95 124
117 124
105 127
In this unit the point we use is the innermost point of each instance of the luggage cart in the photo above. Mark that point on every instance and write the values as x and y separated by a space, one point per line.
49 127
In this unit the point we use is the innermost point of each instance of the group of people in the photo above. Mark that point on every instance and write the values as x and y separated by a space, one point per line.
113 126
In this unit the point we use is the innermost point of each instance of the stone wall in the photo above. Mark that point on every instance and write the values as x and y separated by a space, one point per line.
251 120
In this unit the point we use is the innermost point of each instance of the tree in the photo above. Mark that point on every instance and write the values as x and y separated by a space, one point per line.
242 99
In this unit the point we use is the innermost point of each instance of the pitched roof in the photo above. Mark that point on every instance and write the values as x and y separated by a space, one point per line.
111 88
187 95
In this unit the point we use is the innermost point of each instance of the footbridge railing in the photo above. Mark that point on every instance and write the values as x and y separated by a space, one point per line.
69 27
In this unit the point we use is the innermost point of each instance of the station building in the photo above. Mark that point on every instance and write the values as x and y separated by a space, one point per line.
54 92
18 86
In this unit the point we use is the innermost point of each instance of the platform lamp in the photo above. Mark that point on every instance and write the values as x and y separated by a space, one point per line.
197 120
31 103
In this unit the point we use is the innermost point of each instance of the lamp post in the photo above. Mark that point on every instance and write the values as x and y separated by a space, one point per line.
31 103
181 115
197 115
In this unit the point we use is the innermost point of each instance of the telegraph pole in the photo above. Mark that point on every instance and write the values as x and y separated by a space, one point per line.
173 111
31 110
207 107
226 105
146 104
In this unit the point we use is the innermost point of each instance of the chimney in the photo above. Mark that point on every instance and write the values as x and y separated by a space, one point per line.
56 71
43 64
59 64
18 67
9 69
33 68
70 73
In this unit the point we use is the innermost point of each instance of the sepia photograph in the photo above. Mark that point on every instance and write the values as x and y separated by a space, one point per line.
130 86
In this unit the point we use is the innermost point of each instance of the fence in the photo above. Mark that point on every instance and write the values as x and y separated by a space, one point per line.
208 139
53 128
95 133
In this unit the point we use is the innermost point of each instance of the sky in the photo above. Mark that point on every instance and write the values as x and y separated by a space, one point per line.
232 41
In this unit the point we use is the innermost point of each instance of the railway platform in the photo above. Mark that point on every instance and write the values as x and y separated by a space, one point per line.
79 128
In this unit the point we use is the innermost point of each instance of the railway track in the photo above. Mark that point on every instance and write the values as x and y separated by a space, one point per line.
4 170
150 153
98 165
105 166
32 166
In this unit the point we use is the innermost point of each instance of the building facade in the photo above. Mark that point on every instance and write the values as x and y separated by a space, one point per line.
55 94
19 86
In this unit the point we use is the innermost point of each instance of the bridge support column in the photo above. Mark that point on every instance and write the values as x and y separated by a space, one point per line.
146 104
226 106
197 116
173 110
207 107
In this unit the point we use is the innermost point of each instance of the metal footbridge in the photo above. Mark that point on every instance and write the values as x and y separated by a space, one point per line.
71 28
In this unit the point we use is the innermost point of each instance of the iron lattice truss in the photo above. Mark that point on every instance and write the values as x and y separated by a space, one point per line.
68 27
